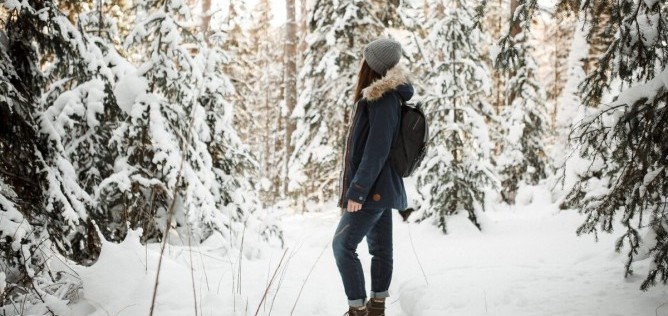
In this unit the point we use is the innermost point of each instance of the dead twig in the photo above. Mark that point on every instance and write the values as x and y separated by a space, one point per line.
313 268
192 271
410 237
280 280
266 290
307 277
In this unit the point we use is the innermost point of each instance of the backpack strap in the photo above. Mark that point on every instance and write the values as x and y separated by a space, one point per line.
402 103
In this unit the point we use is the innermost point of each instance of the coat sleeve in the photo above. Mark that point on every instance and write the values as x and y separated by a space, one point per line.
383 120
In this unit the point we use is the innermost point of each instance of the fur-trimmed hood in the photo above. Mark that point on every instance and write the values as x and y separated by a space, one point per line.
396 78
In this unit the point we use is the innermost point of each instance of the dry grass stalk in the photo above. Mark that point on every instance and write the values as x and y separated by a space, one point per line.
266 290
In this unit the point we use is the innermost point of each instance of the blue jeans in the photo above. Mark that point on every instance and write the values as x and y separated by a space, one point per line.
376 225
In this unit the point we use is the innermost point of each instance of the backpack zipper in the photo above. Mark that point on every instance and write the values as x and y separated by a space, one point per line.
416 122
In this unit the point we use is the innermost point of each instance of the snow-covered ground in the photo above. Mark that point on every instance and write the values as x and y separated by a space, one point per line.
528 261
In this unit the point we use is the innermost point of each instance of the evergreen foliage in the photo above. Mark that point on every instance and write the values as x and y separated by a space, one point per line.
552 44
154 138
92 143
522 157
178 136
111 111
239 65
495 23
73 114
59 87
457 169
569 99
268 110
21 195
625 138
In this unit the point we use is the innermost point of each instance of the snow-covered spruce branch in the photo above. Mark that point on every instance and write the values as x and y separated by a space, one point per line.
635 169
170 211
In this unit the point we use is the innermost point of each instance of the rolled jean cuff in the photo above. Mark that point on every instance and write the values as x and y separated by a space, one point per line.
383 294
357 303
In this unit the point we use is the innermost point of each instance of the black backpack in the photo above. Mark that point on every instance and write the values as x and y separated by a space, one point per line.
410 147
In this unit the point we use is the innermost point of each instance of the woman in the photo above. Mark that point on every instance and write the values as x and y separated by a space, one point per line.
370 186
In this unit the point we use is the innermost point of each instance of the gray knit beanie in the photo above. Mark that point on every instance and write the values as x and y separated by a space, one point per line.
382 54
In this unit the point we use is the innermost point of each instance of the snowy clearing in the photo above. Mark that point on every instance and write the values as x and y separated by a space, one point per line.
528 261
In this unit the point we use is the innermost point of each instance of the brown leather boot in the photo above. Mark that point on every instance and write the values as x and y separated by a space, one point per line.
375 308
356 312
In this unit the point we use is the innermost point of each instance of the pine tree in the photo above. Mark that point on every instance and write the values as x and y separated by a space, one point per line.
63 98
162 146
624 140
458 168
107 22
91 141
569 112
412 15
177 145
257 114
234 186
266 106
522 157
79 121
554 32
21 198
75 111
290 84
150 141
560 37
238 46
603 29
339 29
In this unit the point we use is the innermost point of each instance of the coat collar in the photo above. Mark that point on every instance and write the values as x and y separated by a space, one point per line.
394 77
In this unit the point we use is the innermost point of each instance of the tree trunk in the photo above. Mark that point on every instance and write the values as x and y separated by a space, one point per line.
206 19
290 62
267 155
514 27
514 30
557 75
303 32
498 75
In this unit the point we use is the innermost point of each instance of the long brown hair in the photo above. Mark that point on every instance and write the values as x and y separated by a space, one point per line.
364 79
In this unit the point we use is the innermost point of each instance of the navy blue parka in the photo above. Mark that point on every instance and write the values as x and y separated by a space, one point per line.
368 177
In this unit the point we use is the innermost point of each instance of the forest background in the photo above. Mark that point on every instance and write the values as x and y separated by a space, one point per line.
190 118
